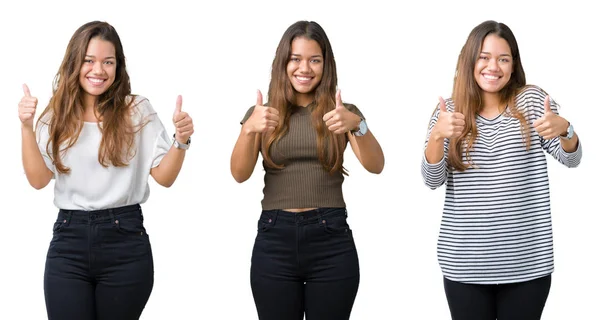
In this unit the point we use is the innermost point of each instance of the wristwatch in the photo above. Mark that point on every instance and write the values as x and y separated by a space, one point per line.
362 129
181 145
570 132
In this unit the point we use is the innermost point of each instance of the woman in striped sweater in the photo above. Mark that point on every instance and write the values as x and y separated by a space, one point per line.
487 144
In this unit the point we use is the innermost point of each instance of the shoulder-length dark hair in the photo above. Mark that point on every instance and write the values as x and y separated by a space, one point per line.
282 96
467 95
64 113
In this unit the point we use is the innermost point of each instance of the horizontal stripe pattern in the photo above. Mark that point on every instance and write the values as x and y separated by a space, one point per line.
496 224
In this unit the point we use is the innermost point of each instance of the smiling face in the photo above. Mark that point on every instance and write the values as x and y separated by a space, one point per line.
305 69
98 70
494 65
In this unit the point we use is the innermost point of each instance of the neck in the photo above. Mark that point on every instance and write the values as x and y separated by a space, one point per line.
89 102
492 102
304 99
89 108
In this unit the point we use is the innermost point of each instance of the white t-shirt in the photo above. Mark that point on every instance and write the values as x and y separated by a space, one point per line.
89 185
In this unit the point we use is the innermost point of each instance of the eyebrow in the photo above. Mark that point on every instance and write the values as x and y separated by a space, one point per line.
502 55
299 55
91 56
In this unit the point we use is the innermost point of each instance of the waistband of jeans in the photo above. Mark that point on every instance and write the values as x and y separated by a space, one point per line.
97 215
295 217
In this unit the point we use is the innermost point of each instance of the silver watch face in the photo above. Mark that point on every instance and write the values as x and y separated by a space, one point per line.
362 129
179 145
570 131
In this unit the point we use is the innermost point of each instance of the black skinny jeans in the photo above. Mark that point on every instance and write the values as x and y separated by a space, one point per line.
511 301
304 263
99 265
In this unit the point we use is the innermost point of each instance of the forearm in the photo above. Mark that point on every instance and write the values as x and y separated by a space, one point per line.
35 168
371 154
434 152
167 171
244 155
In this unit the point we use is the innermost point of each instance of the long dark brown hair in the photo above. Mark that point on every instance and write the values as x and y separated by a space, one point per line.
64 113
282 97
467 95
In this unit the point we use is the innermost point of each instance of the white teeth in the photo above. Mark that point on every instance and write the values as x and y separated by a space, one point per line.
490 77
303 78
96 80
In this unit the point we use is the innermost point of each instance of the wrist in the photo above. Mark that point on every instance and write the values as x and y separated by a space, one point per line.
26 128
179 143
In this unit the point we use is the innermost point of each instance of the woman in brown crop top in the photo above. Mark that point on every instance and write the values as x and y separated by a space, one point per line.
304 260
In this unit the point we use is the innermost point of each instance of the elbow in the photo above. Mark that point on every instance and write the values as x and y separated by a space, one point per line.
167 184
37 185
238 174
376 169
239 178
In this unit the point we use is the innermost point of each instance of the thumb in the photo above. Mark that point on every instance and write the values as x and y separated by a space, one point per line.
26 90
178 105
338 99
547 108
259 98
442 105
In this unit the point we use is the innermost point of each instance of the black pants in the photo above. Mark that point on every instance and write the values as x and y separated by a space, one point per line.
512 301
99 265
304 263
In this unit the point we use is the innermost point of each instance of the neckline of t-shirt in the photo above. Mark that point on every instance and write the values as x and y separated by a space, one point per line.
500 116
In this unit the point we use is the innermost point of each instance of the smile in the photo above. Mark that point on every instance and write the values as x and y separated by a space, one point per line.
96 81
303 79
490 77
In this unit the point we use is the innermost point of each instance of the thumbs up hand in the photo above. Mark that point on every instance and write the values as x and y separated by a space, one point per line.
550 125
184 127
263 118
27 107
340 120
449 124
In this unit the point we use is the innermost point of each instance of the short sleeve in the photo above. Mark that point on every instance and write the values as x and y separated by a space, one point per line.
42 137
354 109
153 135
247 115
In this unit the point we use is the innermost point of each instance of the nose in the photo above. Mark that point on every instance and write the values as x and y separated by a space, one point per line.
304 67
493 65
97 69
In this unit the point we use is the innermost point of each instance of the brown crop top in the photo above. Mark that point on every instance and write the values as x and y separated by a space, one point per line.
303 182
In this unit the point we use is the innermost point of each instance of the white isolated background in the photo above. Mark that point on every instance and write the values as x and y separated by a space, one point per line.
394 59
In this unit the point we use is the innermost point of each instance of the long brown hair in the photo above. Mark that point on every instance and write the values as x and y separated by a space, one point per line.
65 109
467 95
330 146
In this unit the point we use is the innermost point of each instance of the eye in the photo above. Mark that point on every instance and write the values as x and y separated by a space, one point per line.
506 60
295 59
315 61
88 61
483 58
109 62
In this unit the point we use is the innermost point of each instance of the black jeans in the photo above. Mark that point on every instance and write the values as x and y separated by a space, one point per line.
304 263
99 265
511 301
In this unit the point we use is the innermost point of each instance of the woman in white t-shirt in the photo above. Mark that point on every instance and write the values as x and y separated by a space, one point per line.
99 143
